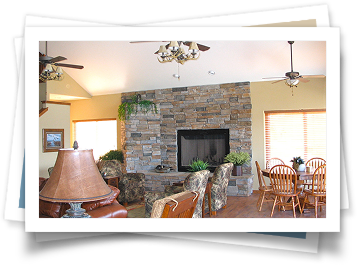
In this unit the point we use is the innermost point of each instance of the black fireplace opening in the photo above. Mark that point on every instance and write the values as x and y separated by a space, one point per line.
210 145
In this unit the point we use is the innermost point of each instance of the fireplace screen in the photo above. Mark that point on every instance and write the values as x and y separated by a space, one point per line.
208 145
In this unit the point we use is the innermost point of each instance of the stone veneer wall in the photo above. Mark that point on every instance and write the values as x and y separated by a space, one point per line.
150 139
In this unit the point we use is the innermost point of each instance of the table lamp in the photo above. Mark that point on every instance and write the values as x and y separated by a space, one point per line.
75 179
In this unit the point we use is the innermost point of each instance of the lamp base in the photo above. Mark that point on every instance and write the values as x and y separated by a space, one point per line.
76 211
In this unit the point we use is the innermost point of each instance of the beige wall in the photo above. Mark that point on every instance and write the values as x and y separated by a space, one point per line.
267 96
57 117
96 108
68 87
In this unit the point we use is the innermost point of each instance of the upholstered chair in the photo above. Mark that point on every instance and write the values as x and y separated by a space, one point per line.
196 181
219 181
131 185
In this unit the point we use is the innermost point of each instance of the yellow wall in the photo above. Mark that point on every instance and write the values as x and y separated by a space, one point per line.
96 108
267 96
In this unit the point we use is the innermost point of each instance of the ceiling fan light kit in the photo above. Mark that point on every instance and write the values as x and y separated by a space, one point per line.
50 74
174 52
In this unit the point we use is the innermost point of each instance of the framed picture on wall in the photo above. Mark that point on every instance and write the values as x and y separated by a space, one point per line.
53 140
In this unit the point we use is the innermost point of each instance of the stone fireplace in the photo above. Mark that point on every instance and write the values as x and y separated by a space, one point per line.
152 139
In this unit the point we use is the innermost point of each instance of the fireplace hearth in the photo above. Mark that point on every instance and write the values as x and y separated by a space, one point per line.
209 145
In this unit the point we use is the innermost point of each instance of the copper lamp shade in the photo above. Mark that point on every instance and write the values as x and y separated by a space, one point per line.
75 178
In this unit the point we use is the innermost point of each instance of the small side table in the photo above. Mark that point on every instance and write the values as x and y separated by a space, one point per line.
208 192
112 181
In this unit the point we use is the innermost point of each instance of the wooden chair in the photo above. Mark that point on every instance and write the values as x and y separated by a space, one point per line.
314 163
264 190
318 189
180 205
274 162
283 179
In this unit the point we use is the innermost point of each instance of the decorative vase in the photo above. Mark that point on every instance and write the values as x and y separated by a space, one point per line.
301 167
237 171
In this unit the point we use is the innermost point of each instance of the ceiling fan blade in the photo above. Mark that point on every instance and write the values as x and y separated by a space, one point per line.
313 76
69 65
279 80
148 41
57 59
203 47
200 46
274 77
303 80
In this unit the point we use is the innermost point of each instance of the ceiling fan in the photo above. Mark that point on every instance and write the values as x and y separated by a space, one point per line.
47 72
293 78
174 51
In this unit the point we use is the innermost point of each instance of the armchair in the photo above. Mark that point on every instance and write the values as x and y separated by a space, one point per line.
131 185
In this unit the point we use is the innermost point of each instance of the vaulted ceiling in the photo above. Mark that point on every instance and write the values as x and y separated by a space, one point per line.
120 66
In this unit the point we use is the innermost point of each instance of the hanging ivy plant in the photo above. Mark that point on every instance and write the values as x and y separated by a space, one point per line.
134 105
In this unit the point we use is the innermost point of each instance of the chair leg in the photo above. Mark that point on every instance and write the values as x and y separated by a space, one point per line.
272 210
214 212
315 200
261 200
293 202
297 198
225 206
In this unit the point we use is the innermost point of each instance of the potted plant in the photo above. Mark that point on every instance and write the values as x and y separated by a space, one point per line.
134 105
298 163
198 165
238 160
110 163
113 155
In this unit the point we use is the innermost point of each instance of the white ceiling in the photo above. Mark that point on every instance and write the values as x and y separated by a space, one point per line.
118 66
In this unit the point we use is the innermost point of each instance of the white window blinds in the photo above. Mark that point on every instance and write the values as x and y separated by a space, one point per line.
295 133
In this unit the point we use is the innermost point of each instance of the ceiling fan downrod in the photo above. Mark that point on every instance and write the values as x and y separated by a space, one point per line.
291 55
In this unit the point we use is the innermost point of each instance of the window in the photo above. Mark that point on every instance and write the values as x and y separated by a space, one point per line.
295 133
99 135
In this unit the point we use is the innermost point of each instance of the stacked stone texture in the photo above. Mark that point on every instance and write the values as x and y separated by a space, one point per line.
150 139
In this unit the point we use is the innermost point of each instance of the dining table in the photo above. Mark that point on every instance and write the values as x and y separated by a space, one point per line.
301 175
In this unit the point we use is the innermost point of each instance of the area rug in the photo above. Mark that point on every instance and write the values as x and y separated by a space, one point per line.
136 210
135 205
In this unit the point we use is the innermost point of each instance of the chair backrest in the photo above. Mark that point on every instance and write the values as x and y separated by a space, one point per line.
261 180
319 181
180 205
273 162
197 181
222 174
282 179
184 206
315 162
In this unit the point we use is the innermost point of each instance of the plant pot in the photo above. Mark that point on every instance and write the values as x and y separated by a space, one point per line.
237 171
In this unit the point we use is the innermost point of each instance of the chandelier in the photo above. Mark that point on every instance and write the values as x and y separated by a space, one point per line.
177 53
49 73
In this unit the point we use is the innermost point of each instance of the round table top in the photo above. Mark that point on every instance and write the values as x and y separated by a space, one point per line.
300 174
